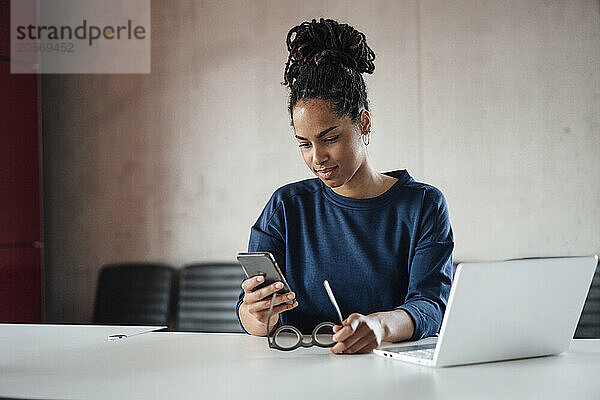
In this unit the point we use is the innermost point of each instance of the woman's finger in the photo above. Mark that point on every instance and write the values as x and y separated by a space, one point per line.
258 295
347 330
277 310
344 345
266 303
251 283
362 345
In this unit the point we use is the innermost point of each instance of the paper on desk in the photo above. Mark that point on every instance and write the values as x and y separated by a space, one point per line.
62 335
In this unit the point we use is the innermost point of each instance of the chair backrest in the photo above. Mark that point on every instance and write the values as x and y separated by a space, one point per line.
208 293
134 294
589 322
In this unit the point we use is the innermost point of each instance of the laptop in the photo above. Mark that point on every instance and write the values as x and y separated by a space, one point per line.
506 310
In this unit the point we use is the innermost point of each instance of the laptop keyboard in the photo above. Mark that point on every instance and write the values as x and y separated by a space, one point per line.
424 353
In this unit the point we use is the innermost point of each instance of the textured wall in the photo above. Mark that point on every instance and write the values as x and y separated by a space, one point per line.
496 103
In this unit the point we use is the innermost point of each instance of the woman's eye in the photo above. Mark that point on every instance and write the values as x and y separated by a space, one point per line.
332 139
304 145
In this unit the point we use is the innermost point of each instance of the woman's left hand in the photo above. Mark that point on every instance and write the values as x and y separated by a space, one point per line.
358 334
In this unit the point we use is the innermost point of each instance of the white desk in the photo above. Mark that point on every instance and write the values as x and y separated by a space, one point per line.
236 366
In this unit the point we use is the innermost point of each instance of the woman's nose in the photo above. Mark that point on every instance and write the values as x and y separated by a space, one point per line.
319 155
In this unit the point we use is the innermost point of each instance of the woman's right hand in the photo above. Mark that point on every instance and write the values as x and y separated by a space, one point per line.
257 302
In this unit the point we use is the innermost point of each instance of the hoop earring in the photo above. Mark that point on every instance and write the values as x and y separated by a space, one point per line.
366 138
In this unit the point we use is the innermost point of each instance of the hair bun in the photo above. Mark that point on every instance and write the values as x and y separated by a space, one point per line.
327 42
334 55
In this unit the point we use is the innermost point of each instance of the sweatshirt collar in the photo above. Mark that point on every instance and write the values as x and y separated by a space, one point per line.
372 202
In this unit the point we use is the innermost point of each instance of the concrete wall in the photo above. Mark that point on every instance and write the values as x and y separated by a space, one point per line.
496 103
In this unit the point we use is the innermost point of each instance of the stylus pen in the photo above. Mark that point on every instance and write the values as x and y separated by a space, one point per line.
332 299
119 336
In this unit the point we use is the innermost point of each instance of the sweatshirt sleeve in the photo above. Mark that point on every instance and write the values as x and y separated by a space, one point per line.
267 234
430 271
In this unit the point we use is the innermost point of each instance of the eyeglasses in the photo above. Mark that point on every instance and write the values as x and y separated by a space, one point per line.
288 337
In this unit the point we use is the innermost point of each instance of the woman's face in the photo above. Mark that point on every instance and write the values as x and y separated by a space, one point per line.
331 146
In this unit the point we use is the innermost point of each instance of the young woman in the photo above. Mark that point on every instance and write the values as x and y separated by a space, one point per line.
382 240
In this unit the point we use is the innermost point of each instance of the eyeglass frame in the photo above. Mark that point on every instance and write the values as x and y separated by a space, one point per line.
301 342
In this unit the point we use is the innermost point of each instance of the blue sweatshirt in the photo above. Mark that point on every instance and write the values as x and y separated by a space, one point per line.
393 251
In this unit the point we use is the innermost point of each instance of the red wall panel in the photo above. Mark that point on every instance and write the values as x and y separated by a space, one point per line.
4 28
20 188
20 285
20 212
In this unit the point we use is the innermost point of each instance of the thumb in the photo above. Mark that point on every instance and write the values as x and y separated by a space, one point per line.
352 320
336 328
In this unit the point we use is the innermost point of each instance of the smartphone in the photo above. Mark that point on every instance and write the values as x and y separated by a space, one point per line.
263 263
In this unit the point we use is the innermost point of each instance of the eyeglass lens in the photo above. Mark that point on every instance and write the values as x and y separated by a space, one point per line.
287 338
323 335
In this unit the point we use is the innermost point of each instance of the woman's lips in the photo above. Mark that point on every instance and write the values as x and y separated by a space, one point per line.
326 173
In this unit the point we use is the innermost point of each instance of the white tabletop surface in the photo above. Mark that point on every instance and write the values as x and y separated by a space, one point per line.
73 362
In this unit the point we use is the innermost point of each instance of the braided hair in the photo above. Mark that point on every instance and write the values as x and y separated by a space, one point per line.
326 60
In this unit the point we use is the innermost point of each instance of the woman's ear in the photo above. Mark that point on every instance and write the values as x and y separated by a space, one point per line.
365 121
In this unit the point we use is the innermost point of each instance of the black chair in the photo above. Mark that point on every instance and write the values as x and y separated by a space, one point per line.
589 322
134 294
207 295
